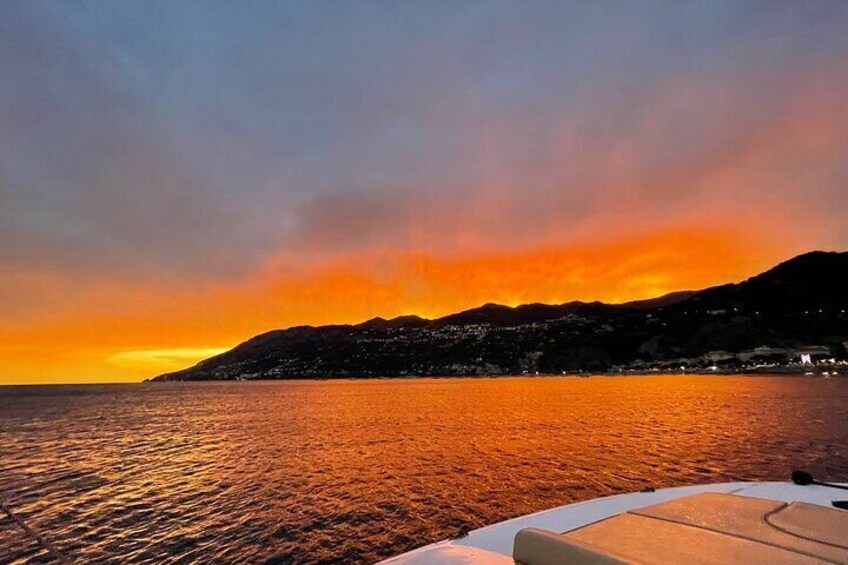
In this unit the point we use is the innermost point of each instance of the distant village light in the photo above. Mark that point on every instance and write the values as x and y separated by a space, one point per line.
806 359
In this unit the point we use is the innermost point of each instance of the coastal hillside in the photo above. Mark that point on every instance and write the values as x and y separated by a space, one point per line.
795 311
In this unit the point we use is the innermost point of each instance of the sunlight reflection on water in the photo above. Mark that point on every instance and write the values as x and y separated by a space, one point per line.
353 471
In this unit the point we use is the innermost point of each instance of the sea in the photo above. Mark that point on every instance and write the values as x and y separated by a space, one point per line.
354 471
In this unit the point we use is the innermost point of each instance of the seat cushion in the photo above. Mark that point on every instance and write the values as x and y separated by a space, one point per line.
639 539
754 519
813 522
540 547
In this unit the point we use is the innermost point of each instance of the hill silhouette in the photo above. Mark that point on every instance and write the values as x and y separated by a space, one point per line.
799 305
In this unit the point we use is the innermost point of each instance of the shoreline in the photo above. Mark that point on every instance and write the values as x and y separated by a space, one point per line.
801 371
789 371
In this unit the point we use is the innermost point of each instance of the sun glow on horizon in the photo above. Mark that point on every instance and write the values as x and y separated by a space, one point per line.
128 339
163 359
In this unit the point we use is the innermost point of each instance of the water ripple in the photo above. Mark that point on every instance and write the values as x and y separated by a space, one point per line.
355 471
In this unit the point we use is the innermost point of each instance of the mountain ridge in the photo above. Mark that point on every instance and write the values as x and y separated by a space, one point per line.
765 310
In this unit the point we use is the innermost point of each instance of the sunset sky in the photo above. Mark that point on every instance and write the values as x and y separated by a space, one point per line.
176 177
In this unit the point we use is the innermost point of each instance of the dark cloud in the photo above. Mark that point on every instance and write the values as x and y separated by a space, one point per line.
196 139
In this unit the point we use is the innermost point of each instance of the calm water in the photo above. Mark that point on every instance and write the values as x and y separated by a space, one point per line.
345 471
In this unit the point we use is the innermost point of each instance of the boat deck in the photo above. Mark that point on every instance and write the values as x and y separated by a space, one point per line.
494 544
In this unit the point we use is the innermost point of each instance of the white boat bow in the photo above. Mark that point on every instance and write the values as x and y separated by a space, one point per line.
495 544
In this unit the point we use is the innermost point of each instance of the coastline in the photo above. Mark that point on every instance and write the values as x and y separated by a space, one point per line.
835 370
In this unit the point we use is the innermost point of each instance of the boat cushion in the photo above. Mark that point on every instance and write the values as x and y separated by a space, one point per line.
639 539
540 547
813 522
754 519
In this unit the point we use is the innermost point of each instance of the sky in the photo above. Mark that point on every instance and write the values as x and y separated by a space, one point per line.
176 177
